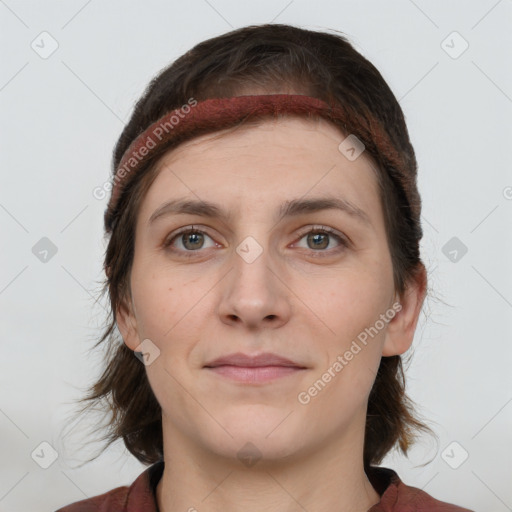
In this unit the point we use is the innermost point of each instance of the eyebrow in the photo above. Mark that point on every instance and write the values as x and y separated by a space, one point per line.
292 208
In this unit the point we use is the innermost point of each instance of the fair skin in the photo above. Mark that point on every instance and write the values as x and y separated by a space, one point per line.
305 298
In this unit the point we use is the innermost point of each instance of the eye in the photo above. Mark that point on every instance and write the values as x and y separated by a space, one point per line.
192 240
319 238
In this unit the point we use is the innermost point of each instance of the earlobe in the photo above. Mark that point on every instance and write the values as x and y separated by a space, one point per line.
127 325
400 330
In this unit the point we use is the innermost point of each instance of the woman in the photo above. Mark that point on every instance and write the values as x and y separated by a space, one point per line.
264 267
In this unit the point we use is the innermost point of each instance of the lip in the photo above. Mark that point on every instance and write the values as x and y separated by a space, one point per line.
254 369
256 361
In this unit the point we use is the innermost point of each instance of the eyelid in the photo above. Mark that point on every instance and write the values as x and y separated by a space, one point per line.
185 229
331 231
344 240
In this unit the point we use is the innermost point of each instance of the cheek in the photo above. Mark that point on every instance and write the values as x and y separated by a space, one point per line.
341 384
353 307
154 299
354 301
171 308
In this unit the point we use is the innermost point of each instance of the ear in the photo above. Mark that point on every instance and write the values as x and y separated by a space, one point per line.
127 325
401 328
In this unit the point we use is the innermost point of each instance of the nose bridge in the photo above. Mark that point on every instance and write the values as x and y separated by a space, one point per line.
252 273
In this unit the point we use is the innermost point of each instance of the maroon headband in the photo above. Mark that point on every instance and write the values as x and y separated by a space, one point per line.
210 115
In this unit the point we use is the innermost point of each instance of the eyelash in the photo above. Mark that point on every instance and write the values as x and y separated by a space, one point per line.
316 230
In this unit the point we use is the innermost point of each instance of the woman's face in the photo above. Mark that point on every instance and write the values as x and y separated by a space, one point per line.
258 275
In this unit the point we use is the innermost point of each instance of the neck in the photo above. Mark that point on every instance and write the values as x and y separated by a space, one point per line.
330 477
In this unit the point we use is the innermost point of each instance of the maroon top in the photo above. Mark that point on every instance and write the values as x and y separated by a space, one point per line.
141 495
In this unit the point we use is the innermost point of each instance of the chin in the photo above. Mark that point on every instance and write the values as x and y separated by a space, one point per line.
257 420
270 432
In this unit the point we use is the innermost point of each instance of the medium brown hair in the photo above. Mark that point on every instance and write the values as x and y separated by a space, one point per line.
272 58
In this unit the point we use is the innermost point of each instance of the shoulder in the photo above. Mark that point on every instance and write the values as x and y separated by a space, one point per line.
399 497
138 496
113 501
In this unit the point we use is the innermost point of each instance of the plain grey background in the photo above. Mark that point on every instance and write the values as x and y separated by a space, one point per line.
71 72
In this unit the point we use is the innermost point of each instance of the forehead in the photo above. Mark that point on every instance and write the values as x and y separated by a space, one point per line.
284 130
263 162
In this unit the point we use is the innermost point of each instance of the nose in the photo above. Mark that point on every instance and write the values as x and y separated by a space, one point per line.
254 293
